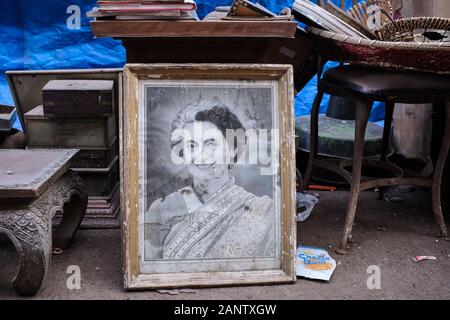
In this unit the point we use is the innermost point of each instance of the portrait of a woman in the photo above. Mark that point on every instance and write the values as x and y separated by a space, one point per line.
211 217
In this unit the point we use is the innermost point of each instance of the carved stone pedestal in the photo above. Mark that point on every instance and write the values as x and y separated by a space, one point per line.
30 196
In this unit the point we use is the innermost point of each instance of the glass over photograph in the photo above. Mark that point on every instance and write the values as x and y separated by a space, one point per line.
210 182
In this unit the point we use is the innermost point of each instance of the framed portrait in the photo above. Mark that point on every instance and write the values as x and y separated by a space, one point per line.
208 175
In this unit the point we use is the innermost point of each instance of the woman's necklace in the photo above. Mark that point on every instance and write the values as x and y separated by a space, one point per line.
200 195
197 193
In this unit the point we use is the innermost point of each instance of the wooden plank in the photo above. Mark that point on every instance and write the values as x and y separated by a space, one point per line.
417 8
124 29
412 118
442 8
287 173
223 278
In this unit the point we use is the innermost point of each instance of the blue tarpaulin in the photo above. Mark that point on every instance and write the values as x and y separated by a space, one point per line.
55 34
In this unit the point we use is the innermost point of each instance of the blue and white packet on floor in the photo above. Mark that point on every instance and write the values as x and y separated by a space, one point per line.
314 263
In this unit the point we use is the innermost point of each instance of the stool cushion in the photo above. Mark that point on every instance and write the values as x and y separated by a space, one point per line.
388 83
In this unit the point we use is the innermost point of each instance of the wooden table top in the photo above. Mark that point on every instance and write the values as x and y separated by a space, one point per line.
29 173
211 29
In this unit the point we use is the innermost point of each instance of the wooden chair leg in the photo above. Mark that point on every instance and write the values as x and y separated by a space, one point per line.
363 108
314 139
389 113
437 176
387 129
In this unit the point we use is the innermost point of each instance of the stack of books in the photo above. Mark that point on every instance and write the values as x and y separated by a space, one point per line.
245 10
144 10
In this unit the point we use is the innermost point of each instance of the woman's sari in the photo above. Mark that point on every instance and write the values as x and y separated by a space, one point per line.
233 223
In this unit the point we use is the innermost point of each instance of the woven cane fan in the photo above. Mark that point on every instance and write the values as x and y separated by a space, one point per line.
373 14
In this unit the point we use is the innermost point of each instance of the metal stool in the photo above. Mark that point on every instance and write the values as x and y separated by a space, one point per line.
366 86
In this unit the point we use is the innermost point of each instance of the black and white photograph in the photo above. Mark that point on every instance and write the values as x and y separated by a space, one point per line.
213 159
209 185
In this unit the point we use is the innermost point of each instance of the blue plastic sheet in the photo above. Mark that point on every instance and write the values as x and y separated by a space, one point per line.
55 34
51 34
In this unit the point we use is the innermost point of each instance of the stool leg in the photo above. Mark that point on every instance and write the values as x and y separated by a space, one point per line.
31 238
386 137
363 108
33 268
74 210
314 139
437 177
387 129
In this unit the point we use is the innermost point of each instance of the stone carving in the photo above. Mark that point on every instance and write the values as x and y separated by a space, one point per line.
29 228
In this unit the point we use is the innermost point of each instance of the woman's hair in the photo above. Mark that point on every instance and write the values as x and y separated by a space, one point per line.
216 113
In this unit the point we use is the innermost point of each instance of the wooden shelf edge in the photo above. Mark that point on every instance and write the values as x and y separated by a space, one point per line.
202 29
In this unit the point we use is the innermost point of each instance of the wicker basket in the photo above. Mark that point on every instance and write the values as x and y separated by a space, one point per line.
405 30
418 56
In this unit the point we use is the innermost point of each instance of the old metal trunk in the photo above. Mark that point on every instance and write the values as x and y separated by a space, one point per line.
78 98
82 133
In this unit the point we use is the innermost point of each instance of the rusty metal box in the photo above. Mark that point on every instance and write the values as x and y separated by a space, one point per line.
94 133
78 98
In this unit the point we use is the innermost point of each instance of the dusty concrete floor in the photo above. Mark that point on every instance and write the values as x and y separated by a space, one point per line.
409 231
